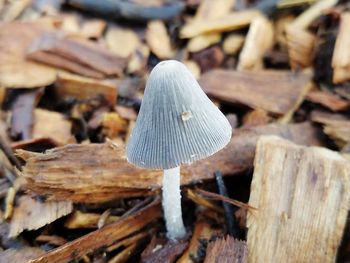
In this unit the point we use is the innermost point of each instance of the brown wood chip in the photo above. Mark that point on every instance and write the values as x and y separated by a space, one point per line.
273 91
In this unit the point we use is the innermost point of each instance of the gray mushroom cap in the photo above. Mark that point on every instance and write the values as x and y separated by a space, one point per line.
177 123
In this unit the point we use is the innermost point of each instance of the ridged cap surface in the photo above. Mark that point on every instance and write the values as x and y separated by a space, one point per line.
177 123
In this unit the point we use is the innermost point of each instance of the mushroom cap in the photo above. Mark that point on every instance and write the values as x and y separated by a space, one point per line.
177 123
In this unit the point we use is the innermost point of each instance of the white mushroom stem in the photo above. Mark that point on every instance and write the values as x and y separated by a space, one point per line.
172 204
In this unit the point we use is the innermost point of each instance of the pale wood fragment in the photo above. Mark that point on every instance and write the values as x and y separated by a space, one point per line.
259 39
301 45
257 90
234 20
341 53
158 39
138 61
13 9
201 42
100 172
93 28
302 198
305 19
84 88
50 124
193 67
227 250
79 219
122 41
233 43
208 10
31 214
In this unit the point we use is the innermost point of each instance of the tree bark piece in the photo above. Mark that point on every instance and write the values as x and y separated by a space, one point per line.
100 172
31 214
227 250
257 90
102 237
302 195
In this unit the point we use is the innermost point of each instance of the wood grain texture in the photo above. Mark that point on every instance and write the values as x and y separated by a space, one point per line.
102 237
31 214
274 91
302 195
100 172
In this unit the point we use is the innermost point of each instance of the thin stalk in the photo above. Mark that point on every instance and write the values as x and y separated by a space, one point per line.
172 204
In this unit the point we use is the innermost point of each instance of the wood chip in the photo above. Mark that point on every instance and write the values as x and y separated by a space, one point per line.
303 196
113 125
79 219
103 237
93 28
22 255
255 118
201 42
22 117
126 113
259 39
166 253
258 90
227 250
53 125
336 126
227 23
308 16
76 55
31 214
158 39
301 44
85 88
193 67
13 9
209 58
47 174
15 70
341 53
232 44
52 240
202 232
122 41
138 62
328 100
209 9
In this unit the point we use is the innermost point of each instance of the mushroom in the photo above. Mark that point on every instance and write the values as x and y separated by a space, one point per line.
177 124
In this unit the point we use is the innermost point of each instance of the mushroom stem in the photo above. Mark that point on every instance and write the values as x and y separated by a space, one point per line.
172 204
